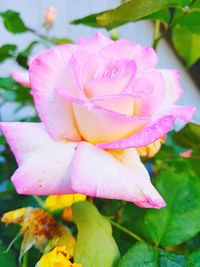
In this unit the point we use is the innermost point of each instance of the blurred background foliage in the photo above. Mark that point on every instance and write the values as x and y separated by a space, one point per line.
166 237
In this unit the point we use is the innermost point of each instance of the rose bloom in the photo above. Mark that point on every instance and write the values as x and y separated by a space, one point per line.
98 101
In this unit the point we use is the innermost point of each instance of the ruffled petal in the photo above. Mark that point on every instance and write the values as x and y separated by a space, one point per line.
98 125
44 165
111 78
120 175
149 91
95 43
47 72
145 58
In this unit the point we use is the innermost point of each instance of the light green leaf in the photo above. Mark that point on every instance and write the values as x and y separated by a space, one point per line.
189 136
95 245
186 38
6 259
179 220
143 255
129 11
13 22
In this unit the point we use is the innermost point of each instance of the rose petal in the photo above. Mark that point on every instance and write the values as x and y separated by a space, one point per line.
44 165
21 77
149 91
48 71
145 58
111 78
121 103
119 176
98 125
148 135
173 90
95 43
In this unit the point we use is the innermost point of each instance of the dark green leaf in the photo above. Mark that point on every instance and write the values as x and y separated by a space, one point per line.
22 57
7 51
189 136
162 15
143 254
179 220
6 259
95 245
13 22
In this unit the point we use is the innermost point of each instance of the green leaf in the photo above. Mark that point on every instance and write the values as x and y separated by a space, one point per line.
195 258
188 137
162 15
187 32
59 41
22 57
13 22
7 51
88 20
179 220
143 254
140 255
95 245
7 259
128 12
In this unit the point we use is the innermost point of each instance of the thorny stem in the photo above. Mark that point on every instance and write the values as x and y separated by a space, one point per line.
125 230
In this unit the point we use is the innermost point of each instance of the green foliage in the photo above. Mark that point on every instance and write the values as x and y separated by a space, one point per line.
7 259
187 32
179 220
195 258
22 57
7 51
13 22
95 245
143 254
189 136
128 12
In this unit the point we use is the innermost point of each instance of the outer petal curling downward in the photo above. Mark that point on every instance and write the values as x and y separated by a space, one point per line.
115 175
44 165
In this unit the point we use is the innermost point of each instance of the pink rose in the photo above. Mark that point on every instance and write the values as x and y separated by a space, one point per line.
98 100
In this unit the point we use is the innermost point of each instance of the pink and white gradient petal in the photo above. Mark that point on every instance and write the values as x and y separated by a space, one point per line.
173 90
120 177
44 165
149 91
95 43
146 136
111 78
99 125
47 72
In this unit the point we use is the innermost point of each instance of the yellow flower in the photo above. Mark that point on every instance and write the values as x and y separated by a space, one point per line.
40 229
151 149
62 201
15 216
58 257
